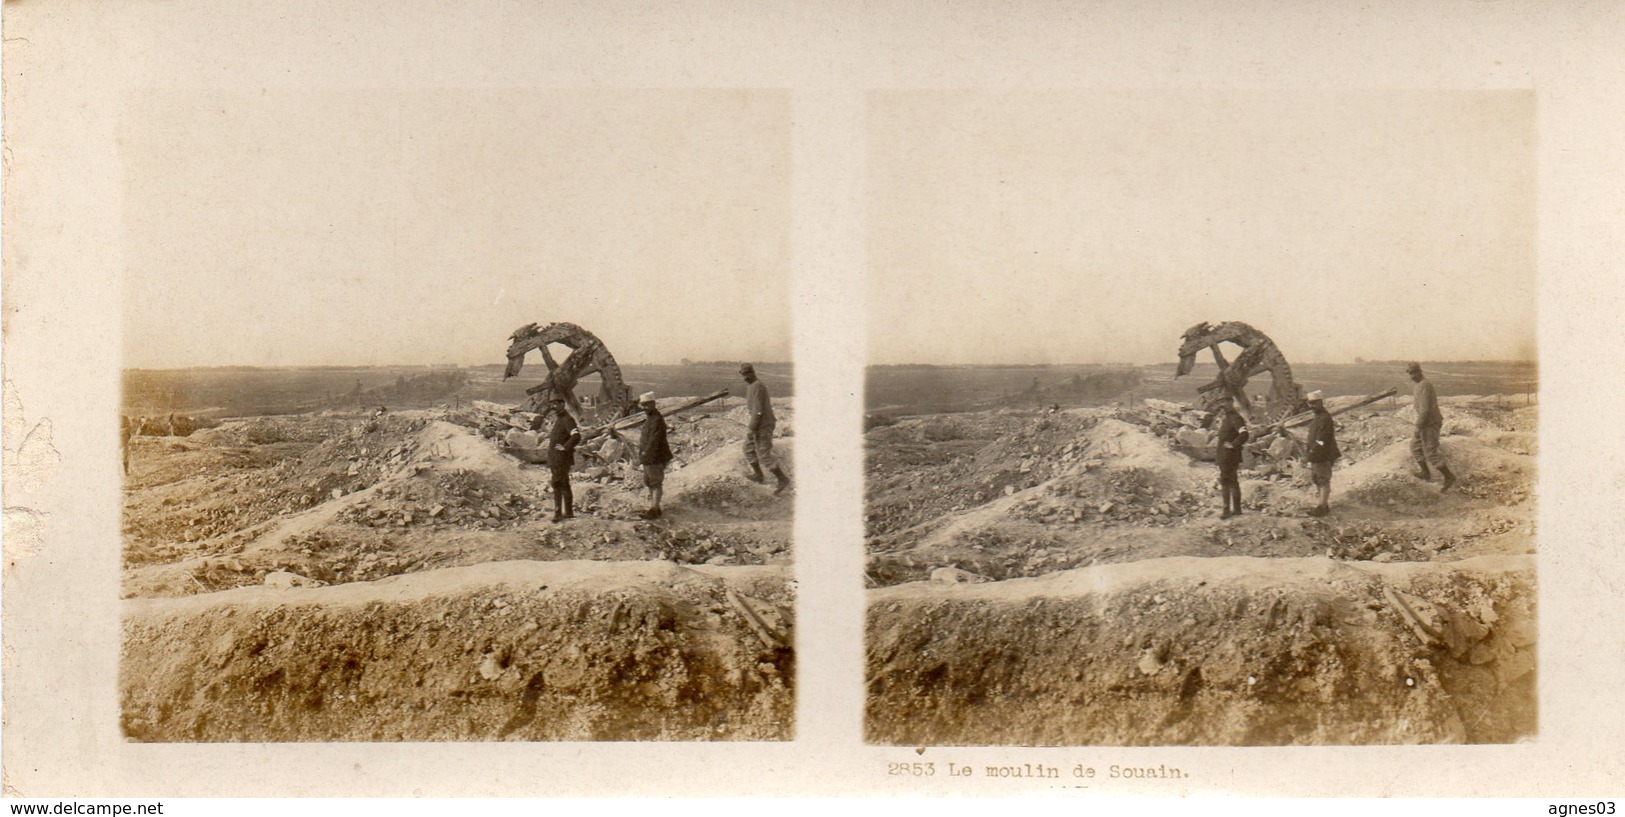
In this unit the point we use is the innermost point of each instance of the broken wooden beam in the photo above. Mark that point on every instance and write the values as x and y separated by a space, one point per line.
752 620
1427 634
500 414
635 420
1305 418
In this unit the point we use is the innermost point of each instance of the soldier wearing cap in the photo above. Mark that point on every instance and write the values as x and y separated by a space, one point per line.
561 457
759 430
653 452
1322 451
1232 436
1429 420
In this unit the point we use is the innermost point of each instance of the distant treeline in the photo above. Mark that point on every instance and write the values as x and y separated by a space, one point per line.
290 368
430 387
248 390
1362 361
911 389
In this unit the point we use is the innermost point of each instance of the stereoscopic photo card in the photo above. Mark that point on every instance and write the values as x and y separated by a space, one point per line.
701 399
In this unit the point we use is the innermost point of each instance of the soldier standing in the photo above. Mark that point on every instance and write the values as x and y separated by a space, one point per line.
1322 452
653 453
1232 435
561 456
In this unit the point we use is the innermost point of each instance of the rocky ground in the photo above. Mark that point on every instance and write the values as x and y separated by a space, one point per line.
1063 578
340 576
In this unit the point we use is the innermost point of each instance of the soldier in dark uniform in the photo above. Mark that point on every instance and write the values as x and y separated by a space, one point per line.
561 456
1232 436
1322 452
654 451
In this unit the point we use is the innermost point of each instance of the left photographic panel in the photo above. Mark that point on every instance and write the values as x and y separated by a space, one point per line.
361 505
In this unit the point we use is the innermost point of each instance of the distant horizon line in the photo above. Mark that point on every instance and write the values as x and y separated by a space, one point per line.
713 363
1125 364
694 363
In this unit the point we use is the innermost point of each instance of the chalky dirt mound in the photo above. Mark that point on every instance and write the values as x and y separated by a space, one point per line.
1043 578
350 577
508 650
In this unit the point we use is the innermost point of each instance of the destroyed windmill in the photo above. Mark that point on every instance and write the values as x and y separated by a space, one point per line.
1283 409
611 414
1258 354
588 355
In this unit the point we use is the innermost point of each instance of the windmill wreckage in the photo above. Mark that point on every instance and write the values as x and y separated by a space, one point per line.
1271 416
605 418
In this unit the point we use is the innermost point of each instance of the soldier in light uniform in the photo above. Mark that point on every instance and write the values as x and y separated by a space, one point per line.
759 430
1429 420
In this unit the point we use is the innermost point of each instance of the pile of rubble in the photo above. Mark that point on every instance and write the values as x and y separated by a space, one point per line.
309 463
1184 426
922 468
1374 542
312 559
172 425
457 497
1194 432
328 560
1109 497
1500 486
696 427
727 495
700 544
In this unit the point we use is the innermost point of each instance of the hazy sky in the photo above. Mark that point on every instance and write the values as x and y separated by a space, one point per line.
1070 226
368 227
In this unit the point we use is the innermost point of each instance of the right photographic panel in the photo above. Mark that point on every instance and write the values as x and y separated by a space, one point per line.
1201 417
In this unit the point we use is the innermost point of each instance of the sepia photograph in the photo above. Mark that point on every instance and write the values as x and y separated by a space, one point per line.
1084 401
1201 418
360 505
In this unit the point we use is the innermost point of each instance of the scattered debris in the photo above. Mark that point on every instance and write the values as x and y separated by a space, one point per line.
953 575
1130 582
286 580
